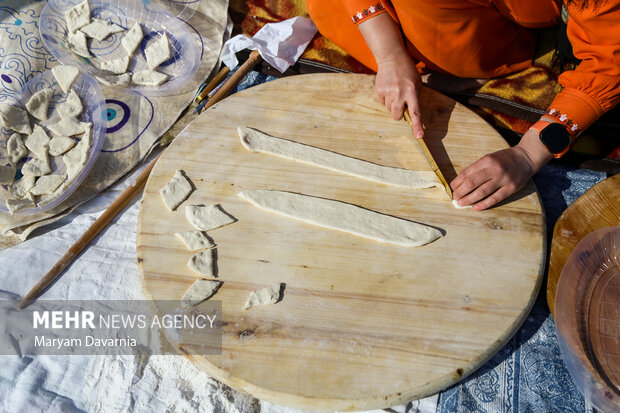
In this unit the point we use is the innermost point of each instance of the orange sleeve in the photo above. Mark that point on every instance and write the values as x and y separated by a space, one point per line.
594 86
361 10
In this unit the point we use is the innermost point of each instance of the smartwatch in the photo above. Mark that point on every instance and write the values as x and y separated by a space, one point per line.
556 138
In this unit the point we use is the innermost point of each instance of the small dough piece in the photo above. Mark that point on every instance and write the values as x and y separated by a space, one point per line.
100 29
68 127
158 52
76 158
457 206
14 118
19 189
7 174
149 78
176 191
78 16
331 214
38 141
15 148
207 218
39 103
37 166
47 184
116 66
14 205
258 141
265 296
132 39
65 75
119 80
202 263
200 291
76 42
71 107
195 240
60 144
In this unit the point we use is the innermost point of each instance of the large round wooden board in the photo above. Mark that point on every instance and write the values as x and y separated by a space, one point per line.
595 209
362 324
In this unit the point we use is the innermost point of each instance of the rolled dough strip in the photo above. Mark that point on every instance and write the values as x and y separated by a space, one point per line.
457 206
207 218
200 291
343 217
265 296
202 263
100 29
176 191
78 16
14 118
15 148
65 75
258 141
39 103
132 39
71 107
195 240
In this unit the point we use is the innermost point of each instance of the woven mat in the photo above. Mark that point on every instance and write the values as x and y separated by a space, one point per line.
134 122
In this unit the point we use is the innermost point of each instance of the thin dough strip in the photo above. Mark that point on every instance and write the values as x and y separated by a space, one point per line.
343 217
258 141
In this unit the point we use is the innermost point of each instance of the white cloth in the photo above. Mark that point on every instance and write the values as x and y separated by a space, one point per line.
280 44
105 270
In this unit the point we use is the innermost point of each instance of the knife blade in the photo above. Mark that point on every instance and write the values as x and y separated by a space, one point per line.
429 157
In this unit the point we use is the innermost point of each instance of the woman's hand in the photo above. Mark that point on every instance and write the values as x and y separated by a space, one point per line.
496 176
398 85
398 81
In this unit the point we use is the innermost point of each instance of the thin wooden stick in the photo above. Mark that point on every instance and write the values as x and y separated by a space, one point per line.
212 84
124 198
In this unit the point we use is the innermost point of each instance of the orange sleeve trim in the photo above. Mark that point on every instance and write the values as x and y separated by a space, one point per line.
576 110
367 13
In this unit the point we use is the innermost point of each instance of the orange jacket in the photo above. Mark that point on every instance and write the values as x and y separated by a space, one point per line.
489 38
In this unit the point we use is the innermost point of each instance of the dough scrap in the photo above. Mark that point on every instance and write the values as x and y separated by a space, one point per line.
200 291
19 189
37 166
207 218
202 263
176 191
7 174
149 78
71 107
158 52
76 42
258 141
132 39
118 80
76 158
14 118
265 296
195 240
14 205
38 141
78 16
100 29
65 75
457 206
69 127
47 184
15 148
331 214
60 144
39 103
115 66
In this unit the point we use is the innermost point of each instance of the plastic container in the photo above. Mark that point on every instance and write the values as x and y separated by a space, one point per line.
94 110
155 21
587 316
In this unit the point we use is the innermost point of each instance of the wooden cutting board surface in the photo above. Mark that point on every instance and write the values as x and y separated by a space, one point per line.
362 324
595 209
